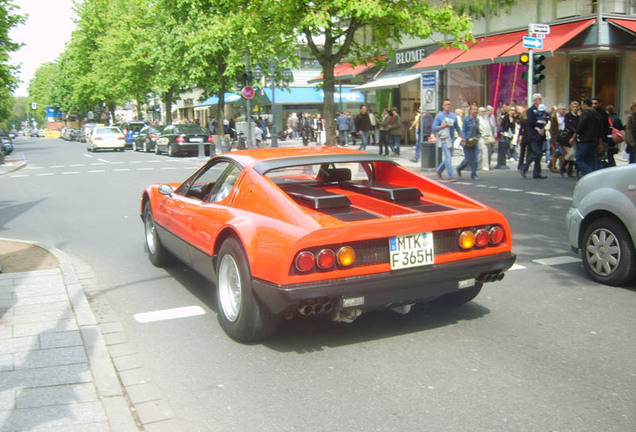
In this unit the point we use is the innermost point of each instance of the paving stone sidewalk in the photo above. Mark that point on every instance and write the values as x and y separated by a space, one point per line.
55 371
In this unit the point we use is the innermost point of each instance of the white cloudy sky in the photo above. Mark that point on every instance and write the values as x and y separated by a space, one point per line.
44 34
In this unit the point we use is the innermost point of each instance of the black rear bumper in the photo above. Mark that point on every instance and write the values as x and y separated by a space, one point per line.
383 289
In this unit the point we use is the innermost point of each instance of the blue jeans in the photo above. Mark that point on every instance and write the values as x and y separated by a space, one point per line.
586 156
343 136
395 144
447 148
536 151
418 145
364 137
470 160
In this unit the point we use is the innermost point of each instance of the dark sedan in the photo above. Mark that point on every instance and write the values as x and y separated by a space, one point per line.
183 139
146 140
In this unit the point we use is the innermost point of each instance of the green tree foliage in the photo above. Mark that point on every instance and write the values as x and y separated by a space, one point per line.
41 85
483 8
332 30
8 73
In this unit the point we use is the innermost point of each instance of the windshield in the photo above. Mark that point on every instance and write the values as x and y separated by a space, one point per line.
107 131
190 129
323 173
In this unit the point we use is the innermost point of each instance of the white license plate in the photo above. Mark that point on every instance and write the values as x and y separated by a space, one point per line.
411 250
197 140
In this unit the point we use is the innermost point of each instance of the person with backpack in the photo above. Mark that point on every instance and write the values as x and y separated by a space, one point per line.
589 134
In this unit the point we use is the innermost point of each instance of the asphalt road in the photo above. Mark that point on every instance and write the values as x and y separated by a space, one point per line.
545 349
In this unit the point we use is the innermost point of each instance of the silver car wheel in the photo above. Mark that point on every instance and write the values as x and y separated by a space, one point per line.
229 288
603 252
151 233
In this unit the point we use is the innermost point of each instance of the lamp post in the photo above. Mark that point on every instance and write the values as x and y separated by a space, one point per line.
288 77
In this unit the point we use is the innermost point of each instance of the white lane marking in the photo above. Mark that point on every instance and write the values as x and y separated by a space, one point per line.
557 260
511 190
564 198
88 156
154 161
168 168
77 165
57 166
103 160
96 171
44 174
97 163
145 169
70 172
537 193
168 314
516 267
19 175
121 169
135 162
116 163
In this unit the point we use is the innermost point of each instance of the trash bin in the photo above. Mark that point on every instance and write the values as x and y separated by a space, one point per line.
431 155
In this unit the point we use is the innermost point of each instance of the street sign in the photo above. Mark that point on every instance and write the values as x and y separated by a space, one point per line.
539 28
248 92
534 43
538 35
429 91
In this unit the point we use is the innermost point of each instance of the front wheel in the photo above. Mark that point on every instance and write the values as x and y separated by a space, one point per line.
171 151
241 314
157 150
144 147
157 253
608 253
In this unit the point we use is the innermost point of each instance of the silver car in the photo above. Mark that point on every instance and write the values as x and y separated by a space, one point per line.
602 224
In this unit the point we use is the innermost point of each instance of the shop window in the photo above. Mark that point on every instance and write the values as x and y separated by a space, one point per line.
594 75
467 85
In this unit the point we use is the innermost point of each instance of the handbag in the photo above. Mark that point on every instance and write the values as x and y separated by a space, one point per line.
563 137
472 142
618 136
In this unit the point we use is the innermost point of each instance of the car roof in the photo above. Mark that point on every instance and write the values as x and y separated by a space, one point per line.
263 160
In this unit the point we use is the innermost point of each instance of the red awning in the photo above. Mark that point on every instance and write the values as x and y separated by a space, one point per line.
488 49
442 57
626 24
347 70
559 35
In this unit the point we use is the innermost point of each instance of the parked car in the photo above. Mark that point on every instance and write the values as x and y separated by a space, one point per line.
131 129
105 137
34 133
6 145
324 232
147 138
86 130
180 139
601 224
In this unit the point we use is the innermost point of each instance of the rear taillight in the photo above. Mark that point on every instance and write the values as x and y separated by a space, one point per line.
324 259
98 139
180 139
305 262
210 139
346 256
120 138
152 136
481 237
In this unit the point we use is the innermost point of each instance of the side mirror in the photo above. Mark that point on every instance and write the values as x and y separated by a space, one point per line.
164 189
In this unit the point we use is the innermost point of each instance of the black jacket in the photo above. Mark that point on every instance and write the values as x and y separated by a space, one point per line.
590 128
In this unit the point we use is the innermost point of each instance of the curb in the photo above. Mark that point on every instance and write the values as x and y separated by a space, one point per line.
110 391
11 166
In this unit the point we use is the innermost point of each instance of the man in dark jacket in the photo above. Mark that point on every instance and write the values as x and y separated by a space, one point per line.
606 135
536 136
363 127
589 133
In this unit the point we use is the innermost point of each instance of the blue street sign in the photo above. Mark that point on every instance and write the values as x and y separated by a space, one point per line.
429 80
531 42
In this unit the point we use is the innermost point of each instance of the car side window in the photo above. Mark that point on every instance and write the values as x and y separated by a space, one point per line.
200 185
225 185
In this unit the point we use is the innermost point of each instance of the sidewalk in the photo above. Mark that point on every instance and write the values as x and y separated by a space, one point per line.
55 371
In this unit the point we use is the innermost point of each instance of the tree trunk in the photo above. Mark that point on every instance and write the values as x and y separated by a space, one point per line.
139 112
167 107
329 114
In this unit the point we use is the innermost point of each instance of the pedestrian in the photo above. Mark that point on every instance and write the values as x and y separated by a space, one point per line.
589 134
342 121
395 131
383 126
319 128
557 128
471 138
569 147
507 128
487 140
445 125
305 127
292 123
614 123
374 125
363 127
415 124
352 128
258 133
262 124
425 130
630 134
603 149
536 135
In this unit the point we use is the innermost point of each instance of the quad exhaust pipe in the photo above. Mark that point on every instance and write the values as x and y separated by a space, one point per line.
315 308
491 277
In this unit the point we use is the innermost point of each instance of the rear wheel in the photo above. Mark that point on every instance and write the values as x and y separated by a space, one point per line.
460 297
134 146
608 253
157 253
157 151
145 146
241 314
171 151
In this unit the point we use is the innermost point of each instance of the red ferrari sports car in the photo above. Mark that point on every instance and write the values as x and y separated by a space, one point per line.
328 232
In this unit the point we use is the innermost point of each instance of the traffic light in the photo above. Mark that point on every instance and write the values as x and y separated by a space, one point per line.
537 68
524 58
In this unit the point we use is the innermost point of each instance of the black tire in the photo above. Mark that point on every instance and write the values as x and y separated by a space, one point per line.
157 150
241 315
134 146
171 151
157 253
460 297
144 147
608 252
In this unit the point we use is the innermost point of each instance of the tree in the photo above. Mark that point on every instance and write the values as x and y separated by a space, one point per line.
338 23
8 73
41 85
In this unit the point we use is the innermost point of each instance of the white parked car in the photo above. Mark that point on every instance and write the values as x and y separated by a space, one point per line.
105 137
602 224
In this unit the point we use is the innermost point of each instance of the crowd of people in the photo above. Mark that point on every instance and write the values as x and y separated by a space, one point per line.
571 140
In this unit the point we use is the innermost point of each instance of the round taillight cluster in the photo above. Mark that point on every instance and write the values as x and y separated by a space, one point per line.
481 237
324 259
